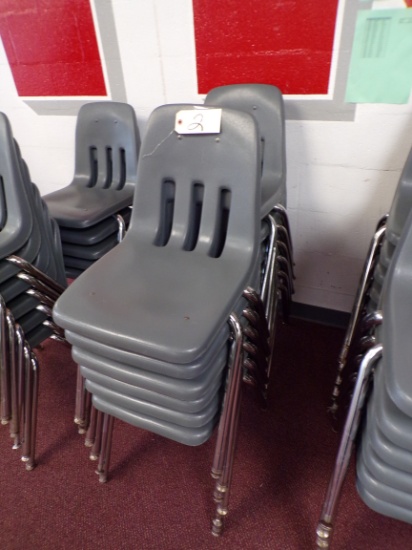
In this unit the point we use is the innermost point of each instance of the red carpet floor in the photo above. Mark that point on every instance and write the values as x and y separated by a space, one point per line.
159 494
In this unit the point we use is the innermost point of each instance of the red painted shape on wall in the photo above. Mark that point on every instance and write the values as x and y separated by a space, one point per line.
52 48
283 42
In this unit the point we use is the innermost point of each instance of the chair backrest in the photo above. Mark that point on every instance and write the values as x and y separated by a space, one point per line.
107 144
198 192
16 217
401 204
265 103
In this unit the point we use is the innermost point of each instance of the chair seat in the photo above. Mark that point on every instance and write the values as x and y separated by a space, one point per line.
393 423
381 490
146 394
182 371
185 390
90 252
174 326
73 206
389 452
382 506
185 419
77 263
382 471
95 233
188 436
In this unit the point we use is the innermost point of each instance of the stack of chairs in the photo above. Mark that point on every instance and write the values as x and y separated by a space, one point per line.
265 103
384 465
93 211
32 276
380 318
383 427
165 325
366 315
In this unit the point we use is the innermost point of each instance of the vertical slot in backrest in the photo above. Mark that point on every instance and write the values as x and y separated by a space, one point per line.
222 221
122 169
167 200
3 207
262 154
93 166
195 215
109 168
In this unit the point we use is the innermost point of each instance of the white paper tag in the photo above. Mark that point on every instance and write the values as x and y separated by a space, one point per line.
198 121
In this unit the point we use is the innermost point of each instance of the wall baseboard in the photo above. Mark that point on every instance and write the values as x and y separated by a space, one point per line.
324 316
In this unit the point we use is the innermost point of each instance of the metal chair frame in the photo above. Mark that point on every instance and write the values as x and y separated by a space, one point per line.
358 313
326 523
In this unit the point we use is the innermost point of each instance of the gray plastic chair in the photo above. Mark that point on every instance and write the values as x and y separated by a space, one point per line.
151 349
95 205
183 270
265 103
107 145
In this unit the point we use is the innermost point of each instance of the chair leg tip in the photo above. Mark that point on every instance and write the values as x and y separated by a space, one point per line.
217 527
323 535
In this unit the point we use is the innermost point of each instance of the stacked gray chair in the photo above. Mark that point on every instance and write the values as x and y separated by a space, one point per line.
32 276
365 316
157 324
384 471
93 211
265 103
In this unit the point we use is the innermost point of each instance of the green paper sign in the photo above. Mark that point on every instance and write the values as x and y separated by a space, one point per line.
381 64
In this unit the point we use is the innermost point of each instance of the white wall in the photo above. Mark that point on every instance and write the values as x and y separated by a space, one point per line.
341 175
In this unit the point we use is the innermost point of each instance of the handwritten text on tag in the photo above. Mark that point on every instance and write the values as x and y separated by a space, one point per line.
198 121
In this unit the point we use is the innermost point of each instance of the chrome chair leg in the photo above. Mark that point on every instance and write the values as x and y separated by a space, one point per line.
356 314
43 298
360 295
55 328
39 286
235 349
5 384
280 211
285 252
285 293
325 526
271 252
34 272
257 344
80 413
91 430
255 300
258 357
228 428
253 336
382 222
121 225
285 268
16 355
367 342
104 458
284 236
270 300
368 323
256 321
30 407
371 321
97 440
